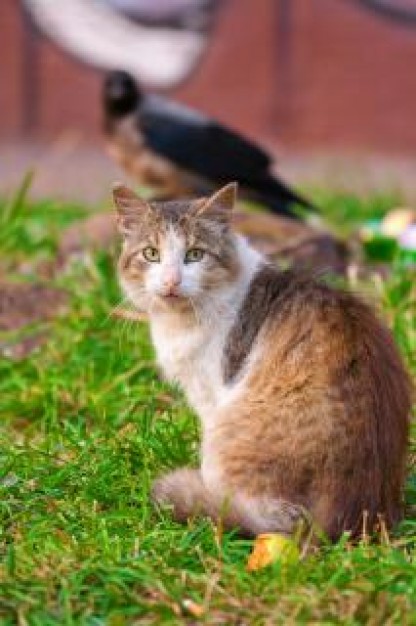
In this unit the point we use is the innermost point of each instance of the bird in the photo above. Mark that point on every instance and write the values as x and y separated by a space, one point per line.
178 150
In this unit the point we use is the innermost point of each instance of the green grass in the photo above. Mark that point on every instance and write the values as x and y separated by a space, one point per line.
86 424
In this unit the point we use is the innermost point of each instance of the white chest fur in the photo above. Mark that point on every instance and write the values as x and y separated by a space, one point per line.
191 354
192 357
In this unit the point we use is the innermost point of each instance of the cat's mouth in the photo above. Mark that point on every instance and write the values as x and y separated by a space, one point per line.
171 296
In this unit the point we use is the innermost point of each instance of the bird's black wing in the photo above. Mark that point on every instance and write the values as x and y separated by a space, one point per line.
197 143
206 148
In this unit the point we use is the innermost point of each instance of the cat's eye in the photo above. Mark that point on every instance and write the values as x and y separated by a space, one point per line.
193 255
151 254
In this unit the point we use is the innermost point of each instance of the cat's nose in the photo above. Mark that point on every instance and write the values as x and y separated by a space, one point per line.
171 280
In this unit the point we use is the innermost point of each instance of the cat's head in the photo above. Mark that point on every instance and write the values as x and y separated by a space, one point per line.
176 253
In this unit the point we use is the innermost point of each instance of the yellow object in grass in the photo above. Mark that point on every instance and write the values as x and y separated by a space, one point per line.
397 220
197 610
271 547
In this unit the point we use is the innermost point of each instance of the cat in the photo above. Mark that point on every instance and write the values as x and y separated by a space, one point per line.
303 398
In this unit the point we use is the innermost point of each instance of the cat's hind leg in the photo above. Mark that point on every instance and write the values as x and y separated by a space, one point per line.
185 491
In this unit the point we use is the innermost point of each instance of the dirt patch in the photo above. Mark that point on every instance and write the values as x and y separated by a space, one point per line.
23 305
96 231
293 243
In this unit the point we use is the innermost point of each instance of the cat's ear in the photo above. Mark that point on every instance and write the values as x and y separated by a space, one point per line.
219 206
130 208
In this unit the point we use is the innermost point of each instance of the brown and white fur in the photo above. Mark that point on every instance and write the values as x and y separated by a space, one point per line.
302 395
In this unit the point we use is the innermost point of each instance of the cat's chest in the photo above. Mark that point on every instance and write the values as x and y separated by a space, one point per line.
192 358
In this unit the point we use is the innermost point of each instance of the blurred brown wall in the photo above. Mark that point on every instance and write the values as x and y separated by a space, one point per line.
66 92
342 78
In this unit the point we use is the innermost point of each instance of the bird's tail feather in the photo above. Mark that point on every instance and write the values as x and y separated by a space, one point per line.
279 197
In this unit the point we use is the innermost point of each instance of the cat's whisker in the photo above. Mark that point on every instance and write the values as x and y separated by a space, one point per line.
195 310
116 308
151 305
124 327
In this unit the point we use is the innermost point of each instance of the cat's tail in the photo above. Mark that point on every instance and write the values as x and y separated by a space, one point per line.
185 491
